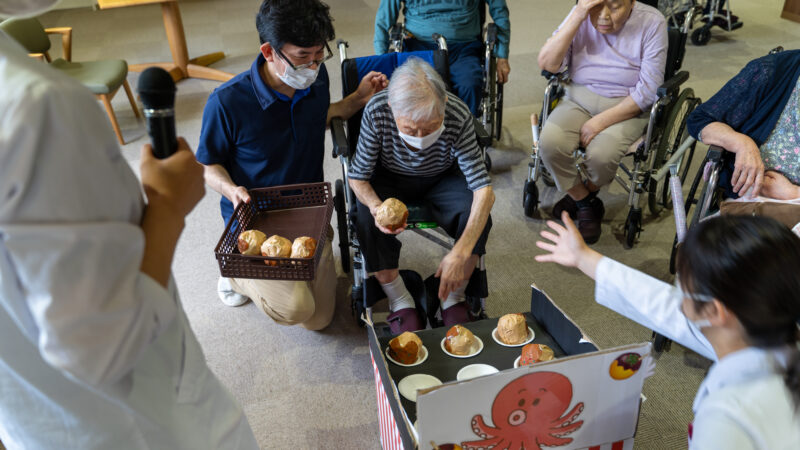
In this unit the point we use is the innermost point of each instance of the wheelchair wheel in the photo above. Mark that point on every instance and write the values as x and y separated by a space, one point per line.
357 304
530 198
633 225
659 194
488 102
341 217
498 112
488 161
701 36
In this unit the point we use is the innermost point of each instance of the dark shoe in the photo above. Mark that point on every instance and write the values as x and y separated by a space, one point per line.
565 204
405 319
458 313
589 219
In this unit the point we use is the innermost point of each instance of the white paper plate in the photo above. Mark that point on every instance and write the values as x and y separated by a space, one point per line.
409 385
516 361
530 337
421 357
477 347
474 371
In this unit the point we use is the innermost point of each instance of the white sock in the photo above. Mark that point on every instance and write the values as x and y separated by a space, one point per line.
398 295
455 297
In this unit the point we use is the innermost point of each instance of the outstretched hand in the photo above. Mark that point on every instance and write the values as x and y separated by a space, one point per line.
566 247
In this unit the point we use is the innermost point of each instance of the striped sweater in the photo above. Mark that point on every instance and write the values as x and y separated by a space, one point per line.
380 142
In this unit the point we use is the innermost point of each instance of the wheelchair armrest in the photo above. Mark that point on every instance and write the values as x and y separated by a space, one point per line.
673 83
491 33
481 134
339 138
396 32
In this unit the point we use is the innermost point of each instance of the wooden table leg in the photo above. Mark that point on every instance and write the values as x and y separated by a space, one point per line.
181 66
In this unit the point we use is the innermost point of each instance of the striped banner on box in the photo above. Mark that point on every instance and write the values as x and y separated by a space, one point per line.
390 436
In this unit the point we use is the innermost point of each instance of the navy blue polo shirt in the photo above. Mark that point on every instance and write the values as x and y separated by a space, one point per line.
262 137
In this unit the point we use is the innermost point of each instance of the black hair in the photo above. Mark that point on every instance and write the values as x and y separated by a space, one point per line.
750 264
304 23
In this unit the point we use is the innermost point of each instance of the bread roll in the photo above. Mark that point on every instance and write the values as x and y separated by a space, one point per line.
459 341
405 348
304 247
392 214
250 242
533 353
512 329
277 247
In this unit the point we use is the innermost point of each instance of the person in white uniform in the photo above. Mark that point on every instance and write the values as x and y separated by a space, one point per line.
737 303
95 349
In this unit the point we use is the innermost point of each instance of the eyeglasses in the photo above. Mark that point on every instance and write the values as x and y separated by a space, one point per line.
705 298
318 62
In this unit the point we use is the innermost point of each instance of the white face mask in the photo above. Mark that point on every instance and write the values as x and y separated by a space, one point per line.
298 79
25 8
423 142
700 323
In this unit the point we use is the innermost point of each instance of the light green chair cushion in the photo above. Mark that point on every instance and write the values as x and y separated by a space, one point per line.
101 77
29 33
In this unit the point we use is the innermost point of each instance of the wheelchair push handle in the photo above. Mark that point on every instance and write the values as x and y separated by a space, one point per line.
440 41
535 128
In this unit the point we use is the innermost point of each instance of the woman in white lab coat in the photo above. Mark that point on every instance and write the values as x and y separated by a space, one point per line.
737 303
95 349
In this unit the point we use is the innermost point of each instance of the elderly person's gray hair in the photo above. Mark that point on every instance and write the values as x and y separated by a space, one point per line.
417 91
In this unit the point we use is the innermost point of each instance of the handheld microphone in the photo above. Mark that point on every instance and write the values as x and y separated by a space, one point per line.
157 91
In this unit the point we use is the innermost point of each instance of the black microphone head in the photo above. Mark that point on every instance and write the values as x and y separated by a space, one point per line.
156 89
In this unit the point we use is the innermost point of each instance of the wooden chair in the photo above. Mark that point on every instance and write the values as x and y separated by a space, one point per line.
103 78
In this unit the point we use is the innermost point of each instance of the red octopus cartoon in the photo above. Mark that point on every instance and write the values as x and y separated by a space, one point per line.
528 413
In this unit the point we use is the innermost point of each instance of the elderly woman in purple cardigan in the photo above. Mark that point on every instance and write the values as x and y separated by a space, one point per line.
615 51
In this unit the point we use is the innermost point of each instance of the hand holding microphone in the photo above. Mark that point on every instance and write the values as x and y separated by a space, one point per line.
157 91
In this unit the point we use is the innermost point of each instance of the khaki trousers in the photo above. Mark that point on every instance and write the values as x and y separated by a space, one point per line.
308 303
562 131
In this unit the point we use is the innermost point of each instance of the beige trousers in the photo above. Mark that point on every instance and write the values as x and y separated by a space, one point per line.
562 131
308 303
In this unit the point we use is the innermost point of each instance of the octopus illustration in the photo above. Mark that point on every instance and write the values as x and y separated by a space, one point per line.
528 413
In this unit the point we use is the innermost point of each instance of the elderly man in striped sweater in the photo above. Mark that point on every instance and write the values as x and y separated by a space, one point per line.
417 142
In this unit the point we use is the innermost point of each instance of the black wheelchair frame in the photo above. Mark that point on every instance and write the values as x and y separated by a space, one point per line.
662 144
365 290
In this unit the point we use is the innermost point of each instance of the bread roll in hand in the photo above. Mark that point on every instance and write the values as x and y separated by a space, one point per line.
304 247
392 214
276 247
250 242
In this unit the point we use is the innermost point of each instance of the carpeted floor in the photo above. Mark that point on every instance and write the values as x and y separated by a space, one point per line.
304 389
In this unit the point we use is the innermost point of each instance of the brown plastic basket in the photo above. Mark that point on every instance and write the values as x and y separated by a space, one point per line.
290 211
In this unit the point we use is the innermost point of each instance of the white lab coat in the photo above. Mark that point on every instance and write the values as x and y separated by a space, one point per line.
93 353
743 402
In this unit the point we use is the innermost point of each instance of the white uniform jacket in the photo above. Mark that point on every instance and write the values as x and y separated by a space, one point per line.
743 402
93 353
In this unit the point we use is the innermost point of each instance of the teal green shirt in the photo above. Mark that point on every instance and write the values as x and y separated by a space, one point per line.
456 20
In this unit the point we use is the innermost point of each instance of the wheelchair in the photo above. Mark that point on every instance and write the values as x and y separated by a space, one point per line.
366 291
491 105
662 144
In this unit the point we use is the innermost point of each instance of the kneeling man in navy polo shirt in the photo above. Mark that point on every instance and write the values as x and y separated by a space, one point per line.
266 127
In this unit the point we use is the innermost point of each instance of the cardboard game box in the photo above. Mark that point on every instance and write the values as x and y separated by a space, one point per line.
585 399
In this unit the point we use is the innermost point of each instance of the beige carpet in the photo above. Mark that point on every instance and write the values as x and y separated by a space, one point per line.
302 389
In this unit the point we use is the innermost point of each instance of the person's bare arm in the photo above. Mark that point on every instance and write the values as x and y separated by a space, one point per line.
553 51
748 167
369 198
624 110
453 268
173 187
371 84
218 179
